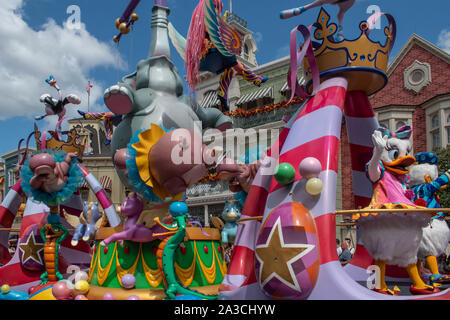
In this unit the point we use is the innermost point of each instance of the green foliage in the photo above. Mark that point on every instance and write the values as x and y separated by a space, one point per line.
444 165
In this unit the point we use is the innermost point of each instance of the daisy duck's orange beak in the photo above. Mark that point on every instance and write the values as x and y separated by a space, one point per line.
400 165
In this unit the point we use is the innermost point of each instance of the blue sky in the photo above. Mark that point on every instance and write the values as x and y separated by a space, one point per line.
36 42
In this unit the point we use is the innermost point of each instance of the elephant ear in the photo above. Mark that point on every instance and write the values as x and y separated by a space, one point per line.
74 221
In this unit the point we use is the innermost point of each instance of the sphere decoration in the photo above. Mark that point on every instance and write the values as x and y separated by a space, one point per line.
310 168
81 275
284 173
128 281
82 286
178 208
61 290
133 297
81 297
287 255
108 296
5 288
314 186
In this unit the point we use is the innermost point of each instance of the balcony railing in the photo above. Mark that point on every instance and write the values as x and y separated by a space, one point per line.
207 189
233 17
264 118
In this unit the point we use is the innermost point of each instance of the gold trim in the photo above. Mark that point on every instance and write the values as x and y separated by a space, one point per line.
208 272
121 271
102 273
186 276
153 276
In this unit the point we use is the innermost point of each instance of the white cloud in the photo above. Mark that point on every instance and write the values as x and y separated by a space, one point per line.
444 40
29 56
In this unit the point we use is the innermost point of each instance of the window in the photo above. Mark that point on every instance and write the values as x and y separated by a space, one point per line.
448 135
448 118
85 194
11 178
436 135
435 123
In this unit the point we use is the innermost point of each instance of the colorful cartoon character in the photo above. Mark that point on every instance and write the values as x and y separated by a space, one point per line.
167 248
87 223
54 233
425 183
231 214
56 106
132 208
109 119
216 51
393 237
48 174
344 6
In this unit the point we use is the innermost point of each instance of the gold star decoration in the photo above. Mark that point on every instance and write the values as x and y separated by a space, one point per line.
31 249
276 258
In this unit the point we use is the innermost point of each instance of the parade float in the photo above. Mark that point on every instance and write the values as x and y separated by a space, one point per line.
284 245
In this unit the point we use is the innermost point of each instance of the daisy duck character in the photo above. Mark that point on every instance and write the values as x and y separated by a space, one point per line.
393 237
425 183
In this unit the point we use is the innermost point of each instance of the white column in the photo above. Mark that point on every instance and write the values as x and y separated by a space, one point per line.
206 215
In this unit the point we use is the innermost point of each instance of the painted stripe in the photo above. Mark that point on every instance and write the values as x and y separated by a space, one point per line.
360 130
332 96
327 153
357 105
360 155
6 217
247 234
362 187
362 201
103 198
113 217
326 228
334 82
265 173
317 205
75 256
326 123
93 183
254 204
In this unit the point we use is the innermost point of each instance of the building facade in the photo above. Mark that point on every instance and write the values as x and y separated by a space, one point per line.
97 159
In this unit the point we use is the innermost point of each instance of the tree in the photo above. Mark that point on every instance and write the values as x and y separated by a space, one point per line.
444 165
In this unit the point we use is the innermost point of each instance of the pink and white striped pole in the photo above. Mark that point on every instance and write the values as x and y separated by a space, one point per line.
105 202
8 211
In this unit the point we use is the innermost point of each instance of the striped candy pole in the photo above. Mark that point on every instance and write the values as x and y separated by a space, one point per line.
8 211
105 202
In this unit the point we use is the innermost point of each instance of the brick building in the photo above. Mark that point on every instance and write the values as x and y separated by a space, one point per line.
417 94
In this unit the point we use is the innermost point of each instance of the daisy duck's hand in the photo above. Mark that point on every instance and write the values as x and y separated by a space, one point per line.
379 142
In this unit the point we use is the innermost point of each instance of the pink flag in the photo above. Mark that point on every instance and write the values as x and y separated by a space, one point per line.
88 87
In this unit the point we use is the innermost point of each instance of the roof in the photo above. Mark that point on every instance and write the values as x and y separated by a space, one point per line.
105 182
266 92
425 44
210 99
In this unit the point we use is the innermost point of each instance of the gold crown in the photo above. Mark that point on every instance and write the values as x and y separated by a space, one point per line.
74 142
362 61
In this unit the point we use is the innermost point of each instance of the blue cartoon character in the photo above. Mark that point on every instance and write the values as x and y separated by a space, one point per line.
231 214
